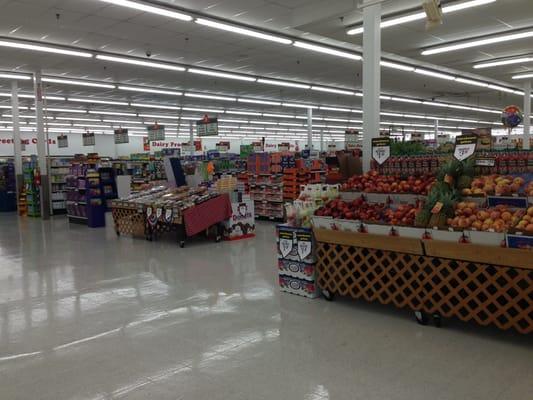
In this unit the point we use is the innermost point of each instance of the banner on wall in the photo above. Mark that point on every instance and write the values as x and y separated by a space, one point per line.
156 132
88 139
207 126
62 141
121 136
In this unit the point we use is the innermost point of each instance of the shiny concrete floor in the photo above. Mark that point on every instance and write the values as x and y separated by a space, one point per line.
87 315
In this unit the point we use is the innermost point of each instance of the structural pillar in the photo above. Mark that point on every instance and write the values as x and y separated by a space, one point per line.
191 137
41 146
17 146
527 115
371 78
436 133
310 129
321 141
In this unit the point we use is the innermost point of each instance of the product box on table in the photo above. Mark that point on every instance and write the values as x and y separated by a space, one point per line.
296 269
297 286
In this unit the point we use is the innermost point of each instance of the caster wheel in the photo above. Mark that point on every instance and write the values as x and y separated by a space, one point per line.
437 320
149 238
182 244
421 317
118 233
217 239
328 295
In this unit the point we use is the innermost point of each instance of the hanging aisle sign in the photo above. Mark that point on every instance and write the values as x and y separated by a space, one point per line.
381 149
156 132
62 141
223 146
465 146
88 139
207 126
187 147
284 147
121 136
350 139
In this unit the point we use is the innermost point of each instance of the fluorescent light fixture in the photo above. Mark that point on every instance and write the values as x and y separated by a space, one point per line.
283 83
327 50
401 67
150 90
150 9
95 101
45 49
203 110
265 102
233 121
142 63
113 113
14 76
523 76
148 105
77 83
222 74
477 43
120 121
490 64
77 119
422 15
243 113
289 124
331 90
159 116
64 110
501 88
263 123
298 105
242 31
404 100
434 74
210 97
471 82
278 115
335 109
384 97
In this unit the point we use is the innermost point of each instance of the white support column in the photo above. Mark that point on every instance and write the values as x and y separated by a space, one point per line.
436 133
310 129
527 115
321 141
17 146
371 78
41 146
191 136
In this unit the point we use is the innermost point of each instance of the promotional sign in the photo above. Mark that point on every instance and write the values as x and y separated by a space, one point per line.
284 147
257 147
187 148
156 132
332 147
88 139
381 149
198 145
485 161
465 146
121 136
484 137
246 150
146 144
242 222
223 146
62 141
350 139
417 137
207 126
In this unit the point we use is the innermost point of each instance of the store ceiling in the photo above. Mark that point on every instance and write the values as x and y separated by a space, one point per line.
98 26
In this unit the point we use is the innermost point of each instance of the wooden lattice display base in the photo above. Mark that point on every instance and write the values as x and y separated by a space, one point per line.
129 221
370 267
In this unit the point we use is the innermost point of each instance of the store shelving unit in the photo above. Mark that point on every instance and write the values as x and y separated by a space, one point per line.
32 190
266 190
8 192
59 169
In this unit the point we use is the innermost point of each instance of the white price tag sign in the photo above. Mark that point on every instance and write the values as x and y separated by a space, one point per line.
465 146
381 149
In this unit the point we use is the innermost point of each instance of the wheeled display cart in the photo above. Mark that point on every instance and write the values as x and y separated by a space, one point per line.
485 284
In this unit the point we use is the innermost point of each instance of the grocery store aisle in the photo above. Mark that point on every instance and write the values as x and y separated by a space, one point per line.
87 315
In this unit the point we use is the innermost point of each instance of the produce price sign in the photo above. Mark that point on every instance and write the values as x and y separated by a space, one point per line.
223 146
350 139
156 132
465 146
207 126
121 136
88 139
381 149
62 141
485 161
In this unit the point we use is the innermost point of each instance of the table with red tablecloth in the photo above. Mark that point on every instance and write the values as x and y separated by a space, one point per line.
200 217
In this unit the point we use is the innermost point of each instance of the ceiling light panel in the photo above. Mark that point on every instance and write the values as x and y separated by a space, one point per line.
76 82
523 76
283 83
222 74
142 63
265 102
242 31
42 48
327 50
15 76
210 97
149 90
150 9
331 90
401 67
490 64
95 101
160 106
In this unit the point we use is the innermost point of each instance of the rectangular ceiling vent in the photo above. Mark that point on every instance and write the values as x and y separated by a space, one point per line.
433 12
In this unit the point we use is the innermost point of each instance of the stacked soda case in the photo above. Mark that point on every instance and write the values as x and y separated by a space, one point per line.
282 160
293 179
267 193
259 163
296 261
411 165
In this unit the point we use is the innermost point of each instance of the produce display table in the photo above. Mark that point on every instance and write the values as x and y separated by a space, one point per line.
129 219
200 217
485 284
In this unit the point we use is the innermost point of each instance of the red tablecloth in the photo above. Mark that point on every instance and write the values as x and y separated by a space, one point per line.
210 212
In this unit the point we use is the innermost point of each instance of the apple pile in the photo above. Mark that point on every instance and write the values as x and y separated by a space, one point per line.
372 182
498 219
526 223
500 185
404 215
357 209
